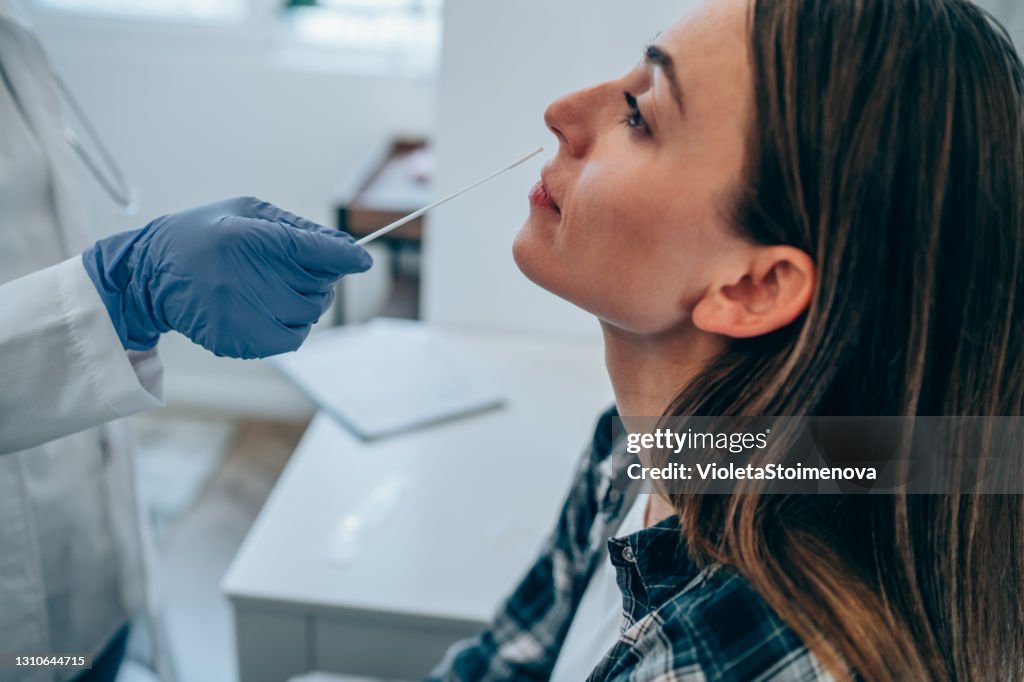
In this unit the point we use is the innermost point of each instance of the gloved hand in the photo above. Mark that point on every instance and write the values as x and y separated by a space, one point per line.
241 277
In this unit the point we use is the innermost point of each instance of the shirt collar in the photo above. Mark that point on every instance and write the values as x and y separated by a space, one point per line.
651 566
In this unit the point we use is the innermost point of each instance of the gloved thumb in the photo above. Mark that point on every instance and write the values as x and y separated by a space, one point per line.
331 252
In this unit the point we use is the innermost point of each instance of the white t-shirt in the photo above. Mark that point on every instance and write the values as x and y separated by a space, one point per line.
596 626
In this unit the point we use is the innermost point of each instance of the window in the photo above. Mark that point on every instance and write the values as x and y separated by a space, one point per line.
374 26
163 9
368 37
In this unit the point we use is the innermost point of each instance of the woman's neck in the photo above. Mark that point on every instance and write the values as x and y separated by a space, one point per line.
648 373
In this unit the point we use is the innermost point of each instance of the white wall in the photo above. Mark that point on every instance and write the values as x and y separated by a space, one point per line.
195 113
1011 14
502 63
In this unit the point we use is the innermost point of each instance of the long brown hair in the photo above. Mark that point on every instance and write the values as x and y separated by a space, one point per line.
888 143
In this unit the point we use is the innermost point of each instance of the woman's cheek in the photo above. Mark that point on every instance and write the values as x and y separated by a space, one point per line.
555 266
612 286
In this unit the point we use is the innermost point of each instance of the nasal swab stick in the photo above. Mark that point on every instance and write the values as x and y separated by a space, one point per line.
413 216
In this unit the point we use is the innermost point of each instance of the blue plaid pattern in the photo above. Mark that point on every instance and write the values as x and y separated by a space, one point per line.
679 623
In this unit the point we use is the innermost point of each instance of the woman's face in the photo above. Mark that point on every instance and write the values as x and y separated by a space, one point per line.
629 221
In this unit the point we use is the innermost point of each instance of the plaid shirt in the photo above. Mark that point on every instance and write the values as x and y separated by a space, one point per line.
679 623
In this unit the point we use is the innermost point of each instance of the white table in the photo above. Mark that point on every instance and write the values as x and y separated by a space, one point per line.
478 497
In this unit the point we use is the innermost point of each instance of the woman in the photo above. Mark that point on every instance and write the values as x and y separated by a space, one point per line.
791 207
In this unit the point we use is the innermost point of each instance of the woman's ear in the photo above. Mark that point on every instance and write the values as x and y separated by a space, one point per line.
772 288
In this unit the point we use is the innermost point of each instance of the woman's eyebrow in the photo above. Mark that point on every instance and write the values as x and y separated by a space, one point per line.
656 56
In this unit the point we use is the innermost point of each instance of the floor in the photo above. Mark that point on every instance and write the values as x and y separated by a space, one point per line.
195 549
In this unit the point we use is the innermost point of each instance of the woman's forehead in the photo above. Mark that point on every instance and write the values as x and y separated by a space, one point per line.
716 25
710 48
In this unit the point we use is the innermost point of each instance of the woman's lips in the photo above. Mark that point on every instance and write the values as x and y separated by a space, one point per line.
540 198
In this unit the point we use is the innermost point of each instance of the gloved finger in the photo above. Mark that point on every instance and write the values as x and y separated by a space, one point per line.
270 260
281 267
284 339
328 253
240 325
273 340
263 295
253 207
292 309
326 300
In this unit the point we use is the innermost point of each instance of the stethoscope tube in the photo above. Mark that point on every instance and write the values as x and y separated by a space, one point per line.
118 189
104 170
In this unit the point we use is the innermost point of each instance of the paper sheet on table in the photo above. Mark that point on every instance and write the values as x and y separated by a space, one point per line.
385 377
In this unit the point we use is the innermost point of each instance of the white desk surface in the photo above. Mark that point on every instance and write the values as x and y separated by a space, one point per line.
482 493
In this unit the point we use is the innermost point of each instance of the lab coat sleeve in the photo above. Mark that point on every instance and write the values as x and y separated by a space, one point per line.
62 367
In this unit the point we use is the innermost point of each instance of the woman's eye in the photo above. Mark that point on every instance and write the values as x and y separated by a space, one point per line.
633 118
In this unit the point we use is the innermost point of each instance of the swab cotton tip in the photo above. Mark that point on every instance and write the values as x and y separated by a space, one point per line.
413 216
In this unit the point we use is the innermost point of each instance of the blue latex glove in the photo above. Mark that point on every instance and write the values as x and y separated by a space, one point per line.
242 278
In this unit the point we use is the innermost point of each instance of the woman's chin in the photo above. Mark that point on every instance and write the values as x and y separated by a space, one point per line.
544 265
532 256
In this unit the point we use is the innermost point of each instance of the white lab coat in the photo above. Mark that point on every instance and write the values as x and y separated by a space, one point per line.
71 563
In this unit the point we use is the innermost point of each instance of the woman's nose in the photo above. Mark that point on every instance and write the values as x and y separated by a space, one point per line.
569 118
